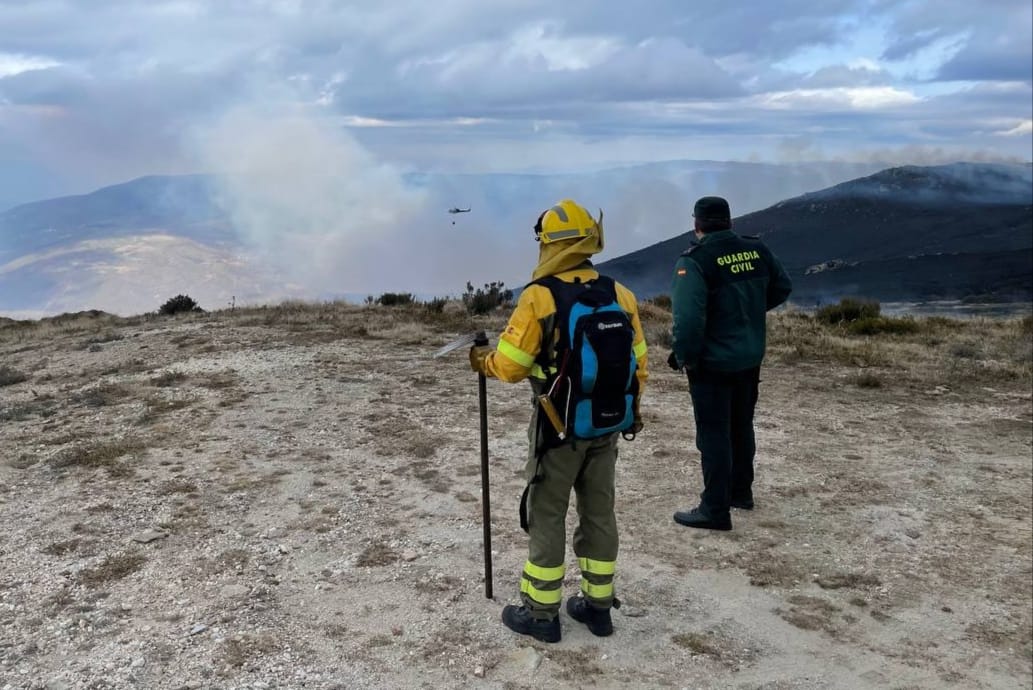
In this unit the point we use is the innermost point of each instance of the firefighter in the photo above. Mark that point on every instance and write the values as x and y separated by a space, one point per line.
530 348
723 287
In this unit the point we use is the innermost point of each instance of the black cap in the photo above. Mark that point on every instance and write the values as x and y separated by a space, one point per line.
712 208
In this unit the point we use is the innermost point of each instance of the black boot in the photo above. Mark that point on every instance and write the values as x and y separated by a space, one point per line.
742 502
698 517
519 619
598 620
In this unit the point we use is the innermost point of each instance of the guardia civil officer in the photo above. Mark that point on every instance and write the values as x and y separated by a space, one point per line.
536 346
723 286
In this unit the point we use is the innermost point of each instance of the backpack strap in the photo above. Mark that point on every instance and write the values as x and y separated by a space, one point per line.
563 297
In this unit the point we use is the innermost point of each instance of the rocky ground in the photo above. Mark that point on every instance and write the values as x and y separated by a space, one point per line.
290 498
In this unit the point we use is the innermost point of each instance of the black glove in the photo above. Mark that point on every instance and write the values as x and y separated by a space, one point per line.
672 362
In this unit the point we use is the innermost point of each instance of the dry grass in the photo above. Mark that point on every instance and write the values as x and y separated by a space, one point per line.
237 651
42 406
61 548
22 462
930 351
114 567
157 407
109 336
93 322
168 379
220 380
9 376
316 322
699 643
176 486
97 454
377 554
103 395
866 379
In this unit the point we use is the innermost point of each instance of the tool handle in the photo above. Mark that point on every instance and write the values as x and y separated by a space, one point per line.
482 399
554 416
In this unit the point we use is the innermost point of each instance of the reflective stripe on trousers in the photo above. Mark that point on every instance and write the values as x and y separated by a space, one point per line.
543 584
597 580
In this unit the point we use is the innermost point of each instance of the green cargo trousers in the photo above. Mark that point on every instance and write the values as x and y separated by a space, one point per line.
587 467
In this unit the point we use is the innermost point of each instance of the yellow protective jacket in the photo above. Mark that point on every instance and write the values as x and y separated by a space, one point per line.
533 323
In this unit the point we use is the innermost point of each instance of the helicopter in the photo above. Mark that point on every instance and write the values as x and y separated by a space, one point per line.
455 210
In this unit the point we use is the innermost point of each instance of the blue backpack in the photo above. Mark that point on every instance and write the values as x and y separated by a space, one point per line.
594 386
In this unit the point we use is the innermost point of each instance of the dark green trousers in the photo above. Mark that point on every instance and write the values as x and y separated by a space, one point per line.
587 468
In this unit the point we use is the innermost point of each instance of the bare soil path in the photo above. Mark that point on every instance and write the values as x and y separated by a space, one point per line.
232 502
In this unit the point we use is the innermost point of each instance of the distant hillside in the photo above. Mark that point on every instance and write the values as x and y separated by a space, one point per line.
909 233
184 205
128 247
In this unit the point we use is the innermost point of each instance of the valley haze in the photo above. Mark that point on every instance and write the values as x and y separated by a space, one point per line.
960 231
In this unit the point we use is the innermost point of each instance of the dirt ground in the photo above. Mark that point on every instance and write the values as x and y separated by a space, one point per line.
255 501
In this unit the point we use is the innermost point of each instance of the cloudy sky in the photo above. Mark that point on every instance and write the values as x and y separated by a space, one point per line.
98 91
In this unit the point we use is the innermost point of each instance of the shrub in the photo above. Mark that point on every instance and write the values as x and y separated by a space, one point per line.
436 305
396 299
486 299
662 301
179 304
846 311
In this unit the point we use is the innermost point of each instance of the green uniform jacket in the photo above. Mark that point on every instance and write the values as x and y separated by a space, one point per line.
722 288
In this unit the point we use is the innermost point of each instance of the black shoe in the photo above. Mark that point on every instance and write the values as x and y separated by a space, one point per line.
742 503
519 619
697 518
598 620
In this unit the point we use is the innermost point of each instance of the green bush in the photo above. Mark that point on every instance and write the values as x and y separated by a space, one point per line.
486 299
396 299
882 324
179 304
847 310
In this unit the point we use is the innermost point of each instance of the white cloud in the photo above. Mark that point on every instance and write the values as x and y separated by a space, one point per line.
860 98
1021 129
11 65
466 76
558 51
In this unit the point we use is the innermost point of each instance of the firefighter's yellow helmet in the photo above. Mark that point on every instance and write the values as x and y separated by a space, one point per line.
565 221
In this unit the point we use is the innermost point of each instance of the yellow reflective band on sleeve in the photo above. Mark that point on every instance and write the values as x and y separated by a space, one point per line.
538 373
515 354
544 574
640 350
597 591
588 565
542 596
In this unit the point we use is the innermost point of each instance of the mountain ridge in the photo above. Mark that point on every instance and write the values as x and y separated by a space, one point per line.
946 215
